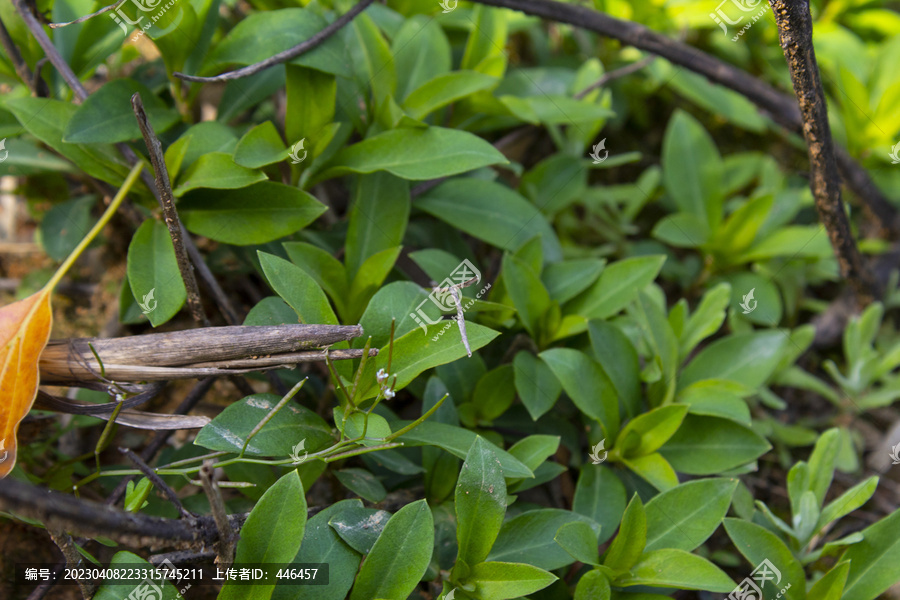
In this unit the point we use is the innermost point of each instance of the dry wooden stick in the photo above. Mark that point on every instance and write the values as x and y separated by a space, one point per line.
92 519
795 31
167 202
226 542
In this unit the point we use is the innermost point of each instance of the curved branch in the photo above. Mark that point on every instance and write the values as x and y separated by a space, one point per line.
87 17
795 31
781 108
290 53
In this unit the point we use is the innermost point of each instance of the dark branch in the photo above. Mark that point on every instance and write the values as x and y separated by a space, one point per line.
291 53
92 520
167 201
795 31
226 543
616 74
157 481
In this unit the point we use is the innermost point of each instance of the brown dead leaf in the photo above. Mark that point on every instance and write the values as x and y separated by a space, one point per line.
24 331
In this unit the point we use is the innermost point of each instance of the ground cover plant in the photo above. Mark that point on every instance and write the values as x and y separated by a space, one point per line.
425 299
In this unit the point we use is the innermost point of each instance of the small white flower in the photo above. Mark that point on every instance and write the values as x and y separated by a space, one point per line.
381 375
388 394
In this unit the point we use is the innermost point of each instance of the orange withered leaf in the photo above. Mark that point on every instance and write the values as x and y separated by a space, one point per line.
24 331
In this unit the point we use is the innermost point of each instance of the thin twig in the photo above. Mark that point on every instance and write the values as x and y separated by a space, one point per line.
616 74
780 107
92 519
50 50
157 481
167 201
16 57
301 48
86 17
66 544
795 31
225 545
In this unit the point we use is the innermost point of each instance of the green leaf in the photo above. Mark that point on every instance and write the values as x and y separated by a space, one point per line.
555 109
261 34
706 319
678 569
325 269
311 100
618 285
875 561
628 545
107 116
421 52
271 534
494 393
490 212
849 501
710 445
646 433
619 359
322 544
480 503
445 89
655 469
399 558
26 158
416 154
600 496
580 540
415 352
360 527
565 280
684 517
748 358
682 230
217 171
371 57
153 272
831 585
528 538
528 294
537 386
587 384
369 278
535 449
362 483
457 441
502 580
45 119
692 169
758 544
64 226
257 214
298 289
593 585
259 147
822 463
378 218
487 39
290 425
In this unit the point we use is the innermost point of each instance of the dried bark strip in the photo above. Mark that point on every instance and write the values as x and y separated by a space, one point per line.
191 353
795 31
